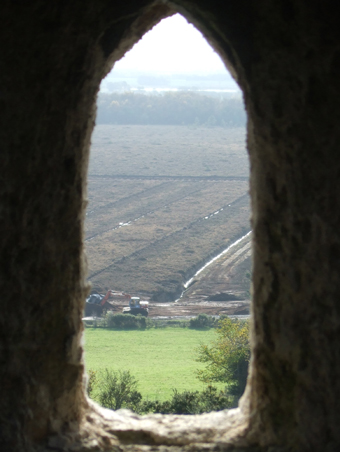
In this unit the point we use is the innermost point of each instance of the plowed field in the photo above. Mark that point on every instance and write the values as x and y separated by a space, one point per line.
164 200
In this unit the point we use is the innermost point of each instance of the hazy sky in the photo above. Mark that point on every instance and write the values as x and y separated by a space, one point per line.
173 45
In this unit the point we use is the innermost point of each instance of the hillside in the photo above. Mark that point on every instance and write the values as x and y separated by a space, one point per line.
162 201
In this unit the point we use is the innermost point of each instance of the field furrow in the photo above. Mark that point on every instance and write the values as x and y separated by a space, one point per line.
148 234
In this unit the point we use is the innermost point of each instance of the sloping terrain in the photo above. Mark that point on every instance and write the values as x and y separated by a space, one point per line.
163 200
223 287
224 284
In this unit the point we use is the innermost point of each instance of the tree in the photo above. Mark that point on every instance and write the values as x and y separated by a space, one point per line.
117 390
227 358
175 108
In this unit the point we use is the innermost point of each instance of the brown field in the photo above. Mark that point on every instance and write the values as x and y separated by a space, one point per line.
168 151
162 201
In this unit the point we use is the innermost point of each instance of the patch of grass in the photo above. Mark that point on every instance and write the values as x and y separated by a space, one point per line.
160 359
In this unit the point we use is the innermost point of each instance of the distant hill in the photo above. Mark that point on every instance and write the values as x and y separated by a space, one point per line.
170 108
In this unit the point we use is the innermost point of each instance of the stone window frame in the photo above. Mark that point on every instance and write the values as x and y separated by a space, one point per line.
285 56
224 429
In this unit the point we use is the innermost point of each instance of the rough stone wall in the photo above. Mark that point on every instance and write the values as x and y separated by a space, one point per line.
293 138
286 56
53 57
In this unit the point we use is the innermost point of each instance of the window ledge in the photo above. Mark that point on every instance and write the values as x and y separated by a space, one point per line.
123 430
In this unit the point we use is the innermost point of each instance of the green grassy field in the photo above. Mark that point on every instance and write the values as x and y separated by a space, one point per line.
160 359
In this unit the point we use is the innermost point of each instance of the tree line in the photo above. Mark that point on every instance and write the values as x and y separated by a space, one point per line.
170 108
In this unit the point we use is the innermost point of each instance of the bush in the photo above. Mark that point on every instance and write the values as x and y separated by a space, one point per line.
109 319
149 323
200 402
125 321
189 402
174 323
154 406
212 400
117 390
202 321
186 402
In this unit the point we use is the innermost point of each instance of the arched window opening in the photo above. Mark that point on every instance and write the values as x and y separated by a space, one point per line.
168 215
286 59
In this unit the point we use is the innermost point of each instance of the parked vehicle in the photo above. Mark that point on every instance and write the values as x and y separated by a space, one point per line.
96 303
136 306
